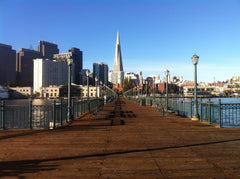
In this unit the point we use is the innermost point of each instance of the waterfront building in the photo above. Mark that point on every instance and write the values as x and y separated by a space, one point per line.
26 91
47 49
201 90
117 75
7 64
53 91
48 72
100 70
92 91
24 66
77 56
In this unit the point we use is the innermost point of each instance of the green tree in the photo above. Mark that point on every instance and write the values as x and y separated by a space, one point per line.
127 84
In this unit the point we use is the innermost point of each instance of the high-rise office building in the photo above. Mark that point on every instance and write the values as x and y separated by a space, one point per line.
117 75
77 56
48 72
24 66
47 49
100 70
7 64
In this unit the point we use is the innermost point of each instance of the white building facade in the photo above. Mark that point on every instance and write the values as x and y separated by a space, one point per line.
48 72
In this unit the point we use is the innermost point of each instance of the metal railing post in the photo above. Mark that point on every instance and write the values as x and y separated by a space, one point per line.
2 114
61 112
177 110
30 114
184 107
191 107
54 114
201 111
209 111
81 107
73 109
219 113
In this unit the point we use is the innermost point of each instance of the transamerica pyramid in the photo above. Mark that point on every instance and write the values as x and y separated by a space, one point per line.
117 75
118 56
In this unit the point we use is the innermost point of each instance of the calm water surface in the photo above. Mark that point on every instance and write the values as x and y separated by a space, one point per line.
26 101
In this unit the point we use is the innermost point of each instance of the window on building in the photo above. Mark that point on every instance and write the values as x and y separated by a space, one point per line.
91 94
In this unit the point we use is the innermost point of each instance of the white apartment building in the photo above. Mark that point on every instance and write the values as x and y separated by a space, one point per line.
47 72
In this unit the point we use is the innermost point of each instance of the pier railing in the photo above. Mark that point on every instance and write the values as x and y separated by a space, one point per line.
46 116
219 114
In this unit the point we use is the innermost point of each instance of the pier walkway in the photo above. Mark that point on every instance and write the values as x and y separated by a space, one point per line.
125 140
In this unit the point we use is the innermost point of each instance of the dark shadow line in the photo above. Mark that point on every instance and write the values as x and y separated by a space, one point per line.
109 154
31 132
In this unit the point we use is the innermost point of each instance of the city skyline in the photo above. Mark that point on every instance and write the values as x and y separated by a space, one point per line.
155 35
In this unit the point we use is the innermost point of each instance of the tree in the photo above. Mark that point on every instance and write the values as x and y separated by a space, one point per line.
127 84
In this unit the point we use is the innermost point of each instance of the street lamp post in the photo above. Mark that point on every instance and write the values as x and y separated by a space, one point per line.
146 88
101 88
138 91
195 59
167 75
154 87
87 73
96 83
69 115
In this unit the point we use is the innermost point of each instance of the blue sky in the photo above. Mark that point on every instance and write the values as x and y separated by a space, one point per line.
154 35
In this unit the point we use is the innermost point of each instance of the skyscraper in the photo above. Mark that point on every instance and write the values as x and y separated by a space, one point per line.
118 56
24 66
47 49
7 64
117 75
100 70
77 56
